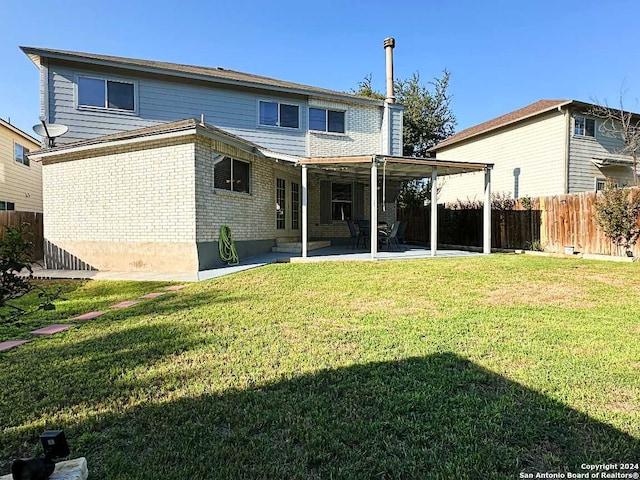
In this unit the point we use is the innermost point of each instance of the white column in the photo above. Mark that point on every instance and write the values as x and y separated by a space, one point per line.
374 209
434 211
304 212
486 221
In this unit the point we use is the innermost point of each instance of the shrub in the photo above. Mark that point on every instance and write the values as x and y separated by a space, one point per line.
618 210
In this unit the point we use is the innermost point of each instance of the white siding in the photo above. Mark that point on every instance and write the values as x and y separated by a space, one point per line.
533 149
582 171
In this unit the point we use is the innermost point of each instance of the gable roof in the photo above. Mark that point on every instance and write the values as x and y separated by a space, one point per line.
216 75
17 131
537 108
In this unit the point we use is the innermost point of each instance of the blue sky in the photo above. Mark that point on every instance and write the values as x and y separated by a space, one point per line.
502 55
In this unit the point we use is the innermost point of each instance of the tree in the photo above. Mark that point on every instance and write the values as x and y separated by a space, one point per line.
16 249
427 120
621 124
427 117
618 210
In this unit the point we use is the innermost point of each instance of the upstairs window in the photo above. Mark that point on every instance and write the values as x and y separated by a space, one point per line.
230 174
323 120
103 93
20 154
583 126
276 114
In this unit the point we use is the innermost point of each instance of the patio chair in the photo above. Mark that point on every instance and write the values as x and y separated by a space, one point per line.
391 239
353 231
364 231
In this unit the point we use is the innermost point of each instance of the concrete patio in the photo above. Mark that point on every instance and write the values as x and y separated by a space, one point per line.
328 254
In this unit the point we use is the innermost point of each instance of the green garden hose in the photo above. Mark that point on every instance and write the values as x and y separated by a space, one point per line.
227 248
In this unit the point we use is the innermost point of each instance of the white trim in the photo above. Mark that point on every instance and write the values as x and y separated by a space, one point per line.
279 156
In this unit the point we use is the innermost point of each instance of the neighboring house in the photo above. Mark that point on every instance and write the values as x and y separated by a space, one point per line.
550 147
159 156
20 178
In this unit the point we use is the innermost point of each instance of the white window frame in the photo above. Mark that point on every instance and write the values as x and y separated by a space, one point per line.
106 79
326 120
24 160
603 181
584 126
279 103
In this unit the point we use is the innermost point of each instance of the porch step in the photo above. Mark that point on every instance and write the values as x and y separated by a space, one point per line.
296 247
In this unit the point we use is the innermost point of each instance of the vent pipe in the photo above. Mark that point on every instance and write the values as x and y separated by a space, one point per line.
389 45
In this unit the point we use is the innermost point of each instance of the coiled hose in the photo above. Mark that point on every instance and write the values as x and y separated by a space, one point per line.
226 246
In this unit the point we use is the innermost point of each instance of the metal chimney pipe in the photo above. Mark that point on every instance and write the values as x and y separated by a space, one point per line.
389 45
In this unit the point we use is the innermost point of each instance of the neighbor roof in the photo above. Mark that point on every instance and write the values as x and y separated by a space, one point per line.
537 108
16 130
217 74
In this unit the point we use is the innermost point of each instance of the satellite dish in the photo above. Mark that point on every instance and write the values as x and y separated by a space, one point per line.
51 131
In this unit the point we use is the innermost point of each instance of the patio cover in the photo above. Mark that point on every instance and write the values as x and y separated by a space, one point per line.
398 169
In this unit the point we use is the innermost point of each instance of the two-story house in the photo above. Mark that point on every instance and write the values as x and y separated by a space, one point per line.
20 179
551 147
158 156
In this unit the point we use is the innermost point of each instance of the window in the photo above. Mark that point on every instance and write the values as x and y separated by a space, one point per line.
583 126
7 206
601 182
20 154
102 93
295 206
341 201
230 174
323 120
280 199
279 115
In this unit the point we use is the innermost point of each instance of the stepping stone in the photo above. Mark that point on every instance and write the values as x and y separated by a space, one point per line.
51 329
153 295
88 316
129 303
10 344
175 288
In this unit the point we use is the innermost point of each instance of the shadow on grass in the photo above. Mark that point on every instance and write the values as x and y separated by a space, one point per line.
435 417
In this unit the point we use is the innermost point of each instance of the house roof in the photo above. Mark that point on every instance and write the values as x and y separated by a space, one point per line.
217 75
17 131
537 108
180 127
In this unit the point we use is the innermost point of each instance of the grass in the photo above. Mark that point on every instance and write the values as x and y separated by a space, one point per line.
479 367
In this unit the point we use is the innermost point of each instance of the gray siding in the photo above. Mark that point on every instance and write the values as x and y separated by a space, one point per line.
162 101
582 172
396 129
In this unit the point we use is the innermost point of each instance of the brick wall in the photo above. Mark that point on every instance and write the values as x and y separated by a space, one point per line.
362 136
123 208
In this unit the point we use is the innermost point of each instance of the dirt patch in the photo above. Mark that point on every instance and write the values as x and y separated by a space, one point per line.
538 294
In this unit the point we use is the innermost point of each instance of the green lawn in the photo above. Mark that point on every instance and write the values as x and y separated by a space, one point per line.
480 367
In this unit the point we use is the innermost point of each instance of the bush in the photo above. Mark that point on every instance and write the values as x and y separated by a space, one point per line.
16 249
618 210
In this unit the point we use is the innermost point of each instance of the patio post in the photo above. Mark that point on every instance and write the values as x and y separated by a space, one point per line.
304 211
486 221
374 208
434 212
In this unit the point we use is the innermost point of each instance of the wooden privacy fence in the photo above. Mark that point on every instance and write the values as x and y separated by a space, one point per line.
14 219
553 223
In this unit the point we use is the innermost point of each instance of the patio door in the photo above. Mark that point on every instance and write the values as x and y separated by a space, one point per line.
287 207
